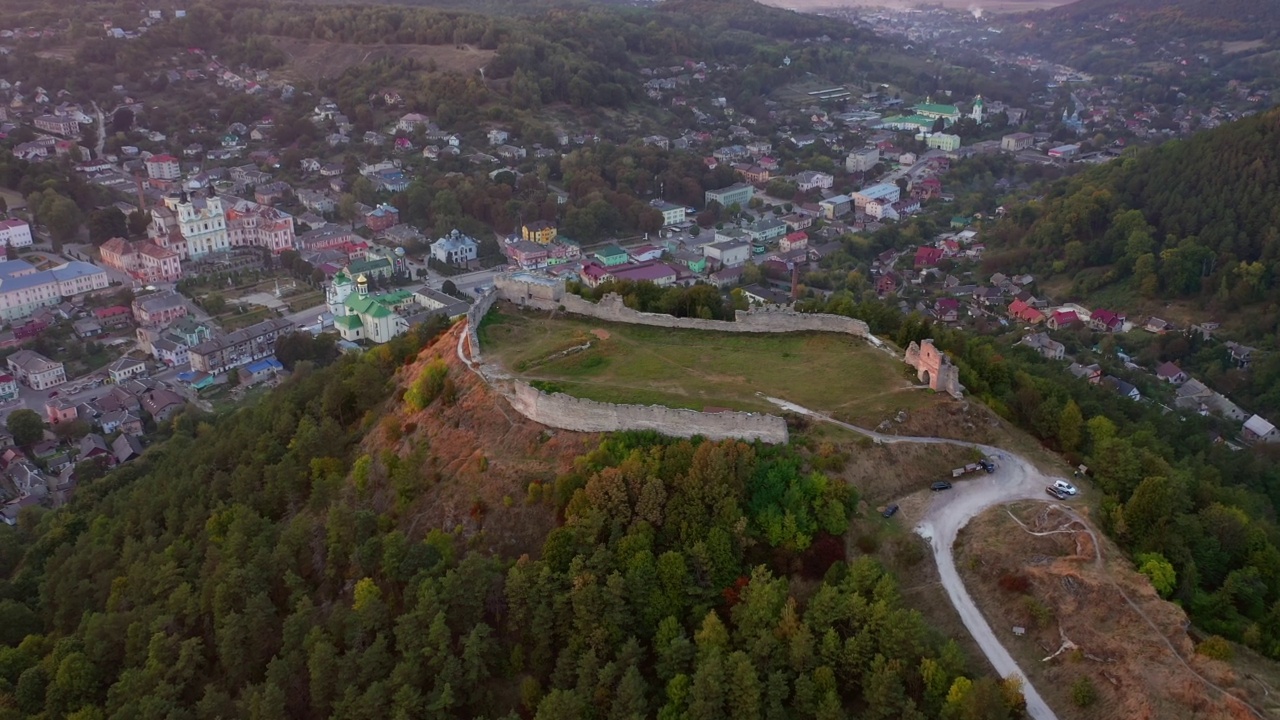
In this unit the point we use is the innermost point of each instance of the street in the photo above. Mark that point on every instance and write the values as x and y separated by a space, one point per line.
35 399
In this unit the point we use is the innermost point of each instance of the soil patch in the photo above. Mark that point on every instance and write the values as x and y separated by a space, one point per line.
1036 566
314 59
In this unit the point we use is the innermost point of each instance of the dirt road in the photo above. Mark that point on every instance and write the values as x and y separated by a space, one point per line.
1014 479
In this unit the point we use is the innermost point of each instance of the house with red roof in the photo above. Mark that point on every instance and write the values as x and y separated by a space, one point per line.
927 257
1019 310
1106 321
947 310
1063 319
887 284
794 241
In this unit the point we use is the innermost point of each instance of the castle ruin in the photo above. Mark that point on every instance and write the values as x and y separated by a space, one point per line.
934 368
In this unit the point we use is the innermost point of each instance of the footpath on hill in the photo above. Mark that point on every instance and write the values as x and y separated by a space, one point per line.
1015 478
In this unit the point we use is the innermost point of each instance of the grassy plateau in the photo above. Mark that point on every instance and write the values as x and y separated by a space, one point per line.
693 369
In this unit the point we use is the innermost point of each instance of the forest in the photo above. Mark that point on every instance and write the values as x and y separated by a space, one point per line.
1195 219
1171 491
267 563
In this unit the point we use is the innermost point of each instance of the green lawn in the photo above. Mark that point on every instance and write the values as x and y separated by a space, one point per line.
694 369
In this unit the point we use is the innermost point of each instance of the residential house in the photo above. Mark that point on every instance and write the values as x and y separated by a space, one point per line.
538 231
126 447
92 447
1157 326
113 317
1106 321
381 217
8 388
35 370
122 420
888 283
1121 388
159 309
1241 355
1258 430
1171 373
1045 345
730 253
927 257
762 296
794 241
316 201
412 121
125 368
1061 319
1021 310
60 410
1089 373
271 193
611 255
947 310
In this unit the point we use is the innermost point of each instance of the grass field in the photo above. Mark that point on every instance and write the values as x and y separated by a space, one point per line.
694 369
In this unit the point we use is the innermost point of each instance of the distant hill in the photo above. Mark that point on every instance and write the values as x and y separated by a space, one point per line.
1197 219
1214 18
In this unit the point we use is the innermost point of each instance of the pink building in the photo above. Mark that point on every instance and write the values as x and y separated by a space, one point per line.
143 260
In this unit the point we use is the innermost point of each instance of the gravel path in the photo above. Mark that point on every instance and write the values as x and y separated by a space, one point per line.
1014 479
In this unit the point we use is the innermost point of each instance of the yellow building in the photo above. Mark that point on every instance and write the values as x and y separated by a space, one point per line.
539 231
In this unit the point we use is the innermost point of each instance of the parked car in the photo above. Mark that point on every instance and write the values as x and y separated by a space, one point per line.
987 465
890 511
940 486
1065 487
1055 492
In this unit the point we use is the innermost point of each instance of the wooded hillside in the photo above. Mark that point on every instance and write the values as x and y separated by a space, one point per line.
276 563
1197 218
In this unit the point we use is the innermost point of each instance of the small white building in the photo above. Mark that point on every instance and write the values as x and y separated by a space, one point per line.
729 253
15 233
35 370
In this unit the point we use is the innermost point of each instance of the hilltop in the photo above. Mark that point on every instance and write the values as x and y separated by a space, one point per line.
1210 17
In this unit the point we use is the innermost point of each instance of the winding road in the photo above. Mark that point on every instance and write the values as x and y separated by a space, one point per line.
1015 478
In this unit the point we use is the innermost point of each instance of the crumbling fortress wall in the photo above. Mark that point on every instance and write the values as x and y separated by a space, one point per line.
570 413
540 293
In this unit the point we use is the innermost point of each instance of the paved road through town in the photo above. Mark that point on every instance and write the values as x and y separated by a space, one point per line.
1015 479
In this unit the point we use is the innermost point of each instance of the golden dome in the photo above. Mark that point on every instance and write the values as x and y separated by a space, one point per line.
362 279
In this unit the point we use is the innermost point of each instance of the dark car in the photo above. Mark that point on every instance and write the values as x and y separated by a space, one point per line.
53 394
1055 492
890 511
940 486
987 465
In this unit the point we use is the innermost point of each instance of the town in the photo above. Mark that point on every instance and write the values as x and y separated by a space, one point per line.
211 240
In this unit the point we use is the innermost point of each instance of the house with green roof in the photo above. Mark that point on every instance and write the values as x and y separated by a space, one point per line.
611 255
